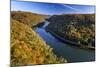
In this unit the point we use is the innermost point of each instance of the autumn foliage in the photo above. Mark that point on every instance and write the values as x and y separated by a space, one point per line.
28 18
27 47
78 28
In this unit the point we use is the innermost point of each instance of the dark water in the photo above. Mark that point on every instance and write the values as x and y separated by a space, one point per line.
67 51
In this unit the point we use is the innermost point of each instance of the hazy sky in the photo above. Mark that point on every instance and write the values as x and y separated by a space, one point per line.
51 8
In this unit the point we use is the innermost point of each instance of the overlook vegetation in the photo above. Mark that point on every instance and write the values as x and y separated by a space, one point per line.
78 28
28 18
27 47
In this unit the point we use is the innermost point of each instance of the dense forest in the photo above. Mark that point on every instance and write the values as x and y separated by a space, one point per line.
27 47
31 19
78 28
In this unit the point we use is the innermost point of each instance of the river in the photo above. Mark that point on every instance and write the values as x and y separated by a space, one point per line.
67 51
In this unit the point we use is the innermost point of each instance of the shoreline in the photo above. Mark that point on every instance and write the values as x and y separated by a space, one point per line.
70 42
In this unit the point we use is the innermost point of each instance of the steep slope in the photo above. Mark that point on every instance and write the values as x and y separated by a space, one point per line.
28 18
79 28
28 48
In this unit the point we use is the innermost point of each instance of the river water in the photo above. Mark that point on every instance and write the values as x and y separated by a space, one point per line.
67 51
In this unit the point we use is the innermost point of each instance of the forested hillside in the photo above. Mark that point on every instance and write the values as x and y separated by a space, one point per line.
78 28
28 18
27 47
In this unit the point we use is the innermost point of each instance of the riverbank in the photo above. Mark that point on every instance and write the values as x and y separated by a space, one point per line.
65 50
70 42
